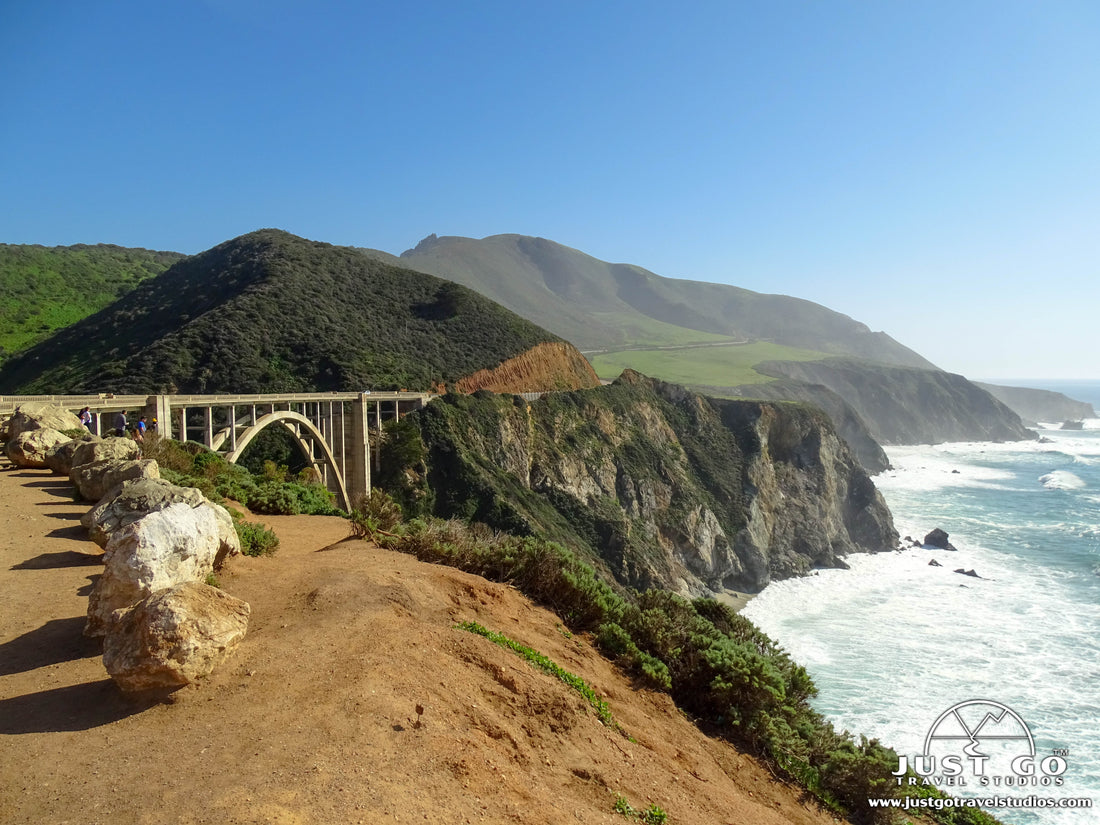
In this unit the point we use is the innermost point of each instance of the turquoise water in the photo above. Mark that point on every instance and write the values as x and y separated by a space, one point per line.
893 642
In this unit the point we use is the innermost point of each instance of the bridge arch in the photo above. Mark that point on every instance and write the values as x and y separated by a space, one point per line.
294 422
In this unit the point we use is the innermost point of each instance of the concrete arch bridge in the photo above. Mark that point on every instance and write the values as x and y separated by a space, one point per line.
332 430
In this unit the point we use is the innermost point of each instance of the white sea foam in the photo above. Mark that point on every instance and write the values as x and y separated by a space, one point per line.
1062 480
893 642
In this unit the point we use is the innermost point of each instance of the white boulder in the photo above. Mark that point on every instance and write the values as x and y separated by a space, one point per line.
93 480
133 500
173 637
29 448
106 449
60 458
165 548
37 415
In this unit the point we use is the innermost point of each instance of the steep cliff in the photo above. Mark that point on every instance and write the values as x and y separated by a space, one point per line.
848 424
658 485
1034 405
903 405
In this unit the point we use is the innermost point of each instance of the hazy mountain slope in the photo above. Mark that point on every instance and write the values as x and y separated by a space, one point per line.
273 312
1039 405
44 289
908 406
600 305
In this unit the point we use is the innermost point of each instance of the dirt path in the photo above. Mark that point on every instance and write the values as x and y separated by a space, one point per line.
314 720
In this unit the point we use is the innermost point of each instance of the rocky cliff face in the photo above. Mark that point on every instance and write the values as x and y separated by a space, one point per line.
657 485
846 420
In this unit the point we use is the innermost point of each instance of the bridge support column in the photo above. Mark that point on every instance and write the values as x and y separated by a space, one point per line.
357 470
159 408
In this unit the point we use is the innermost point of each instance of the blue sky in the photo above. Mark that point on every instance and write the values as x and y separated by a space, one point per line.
931 169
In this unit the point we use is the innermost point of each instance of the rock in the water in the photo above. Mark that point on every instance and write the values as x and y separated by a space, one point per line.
29 448
934 563
970 573
938 538
37 415
173 637
133 500
94 480
60 458
106 449
168 547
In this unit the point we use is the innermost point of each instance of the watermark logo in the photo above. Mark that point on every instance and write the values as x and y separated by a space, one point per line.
984 744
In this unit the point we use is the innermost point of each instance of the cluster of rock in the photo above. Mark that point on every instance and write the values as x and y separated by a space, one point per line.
161 624
938 540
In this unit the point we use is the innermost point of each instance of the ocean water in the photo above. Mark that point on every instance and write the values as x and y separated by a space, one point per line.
893 643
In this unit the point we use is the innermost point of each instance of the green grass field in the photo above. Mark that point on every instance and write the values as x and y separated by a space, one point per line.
641 330
712 366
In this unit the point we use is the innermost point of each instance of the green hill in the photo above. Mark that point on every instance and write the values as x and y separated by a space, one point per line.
44 289
273 312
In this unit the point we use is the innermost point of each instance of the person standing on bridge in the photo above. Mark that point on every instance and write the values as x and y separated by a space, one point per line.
86 418
120 424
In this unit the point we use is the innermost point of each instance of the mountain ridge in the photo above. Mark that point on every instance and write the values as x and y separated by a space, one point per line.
694 333
269 311
559 274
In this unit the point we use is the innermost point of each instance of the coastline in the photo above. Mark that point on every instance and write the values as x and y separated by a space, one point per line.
895 641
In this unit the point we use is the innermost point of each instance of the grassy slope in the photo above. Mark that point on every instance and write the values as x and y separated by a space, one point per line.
713 366
45 289
273 312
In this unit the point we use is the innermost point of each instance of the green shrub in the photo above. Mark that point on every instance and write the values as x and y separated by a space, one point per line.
256 539
314 499
168 453
274 472
274 498
653 815
240 490
209 464
289 498
617 644
373 512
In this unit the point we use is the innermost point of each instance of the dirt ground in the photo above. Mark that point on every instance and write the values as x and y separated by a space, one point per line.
314 719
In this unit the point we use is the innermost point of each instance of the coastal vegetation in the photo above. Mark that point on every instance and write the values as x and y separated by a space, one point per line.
275 491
